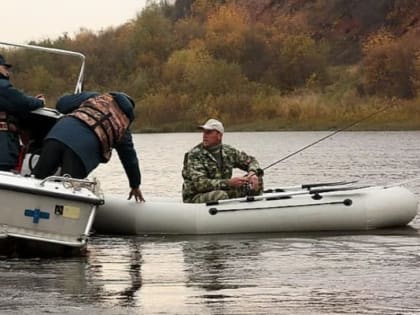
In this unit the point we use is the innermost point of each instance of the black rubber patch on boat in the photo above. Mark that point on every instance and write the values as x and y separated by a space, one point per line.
58 209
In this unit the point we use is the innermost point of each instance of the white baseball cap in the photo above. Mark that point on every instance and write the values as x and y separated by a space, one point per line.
213 124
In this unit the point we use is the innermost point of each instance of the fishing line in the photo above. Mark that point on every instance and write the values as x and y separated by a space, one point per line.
328 136
403 182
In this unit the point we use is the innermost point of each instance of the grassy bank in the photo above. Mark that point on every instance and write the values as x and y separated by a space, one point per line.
312 112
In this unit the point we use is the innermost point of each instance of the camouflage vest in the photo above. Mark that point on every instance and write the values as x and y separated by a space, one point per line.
103 115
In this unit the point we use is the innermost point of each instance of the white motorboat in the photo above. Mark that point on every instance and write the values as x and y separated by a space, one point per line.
53 215
318 207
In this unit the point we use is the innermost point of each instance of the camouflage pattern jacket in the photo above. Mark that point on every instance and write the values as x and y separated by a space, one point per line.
202 174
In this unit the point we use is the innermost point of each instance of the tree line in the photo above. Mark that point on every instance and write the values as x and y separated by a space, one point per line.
190 60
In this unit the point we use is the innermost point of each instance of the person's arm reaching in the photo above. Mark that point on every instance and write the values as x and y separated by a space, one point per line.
130 162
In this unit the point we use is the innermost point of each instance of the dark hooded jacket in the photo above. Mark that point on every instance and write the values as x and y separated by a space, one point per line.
16 105
79 137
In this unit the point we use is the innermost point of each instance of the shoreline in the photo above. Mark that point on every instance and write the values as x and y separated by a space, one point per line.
251 127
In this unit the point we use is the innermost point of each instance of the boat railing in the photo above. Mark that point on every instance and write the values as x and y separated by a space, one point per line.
70 182
79 84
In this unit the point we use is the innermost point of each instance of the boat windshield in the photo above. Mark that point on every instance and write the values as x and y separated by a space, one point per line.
79 84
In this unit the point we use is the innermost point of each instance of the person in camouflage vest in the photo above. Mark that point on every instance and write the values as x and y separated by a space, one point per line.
208 168
94 124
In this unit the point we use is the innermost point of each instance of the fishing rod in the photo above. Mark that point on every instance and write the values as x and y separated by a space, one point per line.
328 136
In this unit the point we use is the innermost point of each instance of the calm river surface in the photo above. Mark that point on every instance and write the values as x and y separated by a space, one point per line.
376 272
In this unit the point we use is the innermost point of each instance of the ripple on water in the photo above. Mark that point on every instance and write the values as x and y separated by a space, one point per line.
375 272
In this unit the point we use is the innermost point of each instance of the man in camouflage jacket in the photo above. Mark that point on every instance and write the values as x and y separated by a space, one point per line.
208 167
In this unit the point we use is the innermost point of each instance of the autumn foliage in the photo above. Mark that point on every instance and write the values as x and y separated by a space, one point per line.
289 62
390 65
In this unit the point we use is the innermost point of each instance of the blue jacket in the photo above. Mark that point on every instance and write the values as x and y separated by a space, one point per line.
17 104
83 141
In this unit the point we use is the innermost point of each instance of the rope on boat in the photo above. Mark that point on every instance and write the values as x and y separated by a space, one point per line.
346 202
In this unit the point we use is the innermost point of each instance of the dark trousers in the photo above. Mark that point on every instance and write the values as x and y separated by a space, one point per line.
55 154
6 168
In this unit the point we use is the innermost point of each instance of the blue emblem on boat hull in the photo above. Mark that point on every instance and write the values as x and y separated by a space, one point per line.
36 214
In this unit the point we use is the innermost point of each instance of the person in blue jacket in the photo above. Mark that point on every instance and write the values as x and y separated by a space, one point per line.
14 105
93 125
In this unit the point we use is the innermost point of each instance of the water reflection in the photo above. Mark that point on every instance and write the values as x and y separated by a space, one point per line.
115 268
373 272
134 271
26 283
229 273
317 272
211 264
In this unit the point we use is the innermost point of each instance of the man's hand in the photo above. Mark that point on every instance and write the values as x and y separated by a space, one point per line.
253 180
238 181
136 192
41 97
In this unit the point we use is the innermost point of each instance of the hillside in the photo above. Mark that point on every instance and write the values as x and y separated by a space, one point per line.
345 22
255 64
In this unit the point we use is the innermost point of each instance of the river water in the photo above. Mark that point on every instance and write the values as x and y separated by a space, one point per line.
374 272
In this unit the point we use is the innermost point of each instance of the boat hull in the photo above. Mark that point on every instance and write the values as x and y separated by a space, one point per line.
58 212
358 209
